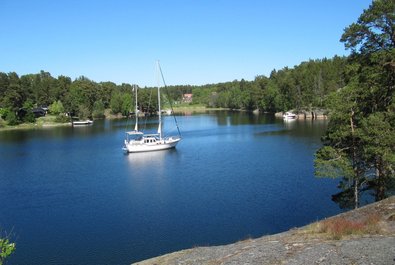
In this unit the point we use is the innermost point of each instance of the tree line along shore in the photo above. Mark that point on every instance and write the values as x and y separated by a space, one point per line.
306 86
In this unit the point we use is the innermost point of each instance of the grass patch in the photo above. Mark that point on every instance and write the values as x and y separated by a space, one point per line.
193 108
46 121
339 227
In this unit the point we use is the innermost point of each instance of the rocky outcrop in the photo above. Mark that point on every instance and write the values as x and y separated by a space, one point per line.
371 242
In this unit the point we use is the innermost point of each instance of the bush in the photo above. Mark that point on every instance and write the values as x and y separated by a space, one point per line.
6 249
83 112
11 118
56 107
3 113
98 110
338 227
61 118
2 123
29 117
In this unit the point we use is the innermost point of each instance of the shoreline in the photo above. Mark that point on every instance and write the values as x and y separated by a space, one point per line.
362 236
48 121
30 126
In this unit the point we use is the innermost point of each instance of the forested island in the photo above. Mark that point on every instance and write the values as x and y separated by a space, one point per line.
303 87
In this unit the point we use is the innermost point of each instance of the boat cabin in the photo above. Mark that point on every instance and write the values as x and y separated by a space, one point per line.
134 136
150 140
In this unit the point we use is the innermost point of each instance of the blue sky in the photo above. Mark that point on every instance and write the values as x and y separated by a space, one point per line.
197 42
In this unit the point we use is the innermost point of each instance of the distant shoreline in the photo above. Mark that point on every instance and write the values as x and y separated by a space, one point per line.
48 121
195 109
29 126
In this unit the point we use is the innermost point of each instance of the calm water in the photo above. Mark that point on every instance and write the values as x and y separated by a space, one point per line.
70 195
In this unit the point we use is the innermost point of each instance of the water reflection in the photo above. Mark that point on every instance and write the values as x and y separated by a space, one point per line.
289 124
146 159
149 178
155 160
226 118
226 179
372 190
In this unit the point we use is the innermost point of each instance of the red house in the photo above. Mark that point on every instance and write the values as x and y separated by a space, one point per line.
187 98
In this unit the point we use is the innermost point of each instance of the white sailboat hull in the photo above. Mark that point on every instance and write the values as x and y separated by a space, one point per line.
142 146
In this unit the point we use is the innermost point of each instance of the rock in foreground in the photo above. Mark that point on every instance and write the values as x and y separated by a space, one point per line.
363 236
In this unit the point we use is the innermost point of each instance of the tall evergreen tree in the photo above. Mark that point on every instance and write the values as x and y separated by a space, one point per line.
360 134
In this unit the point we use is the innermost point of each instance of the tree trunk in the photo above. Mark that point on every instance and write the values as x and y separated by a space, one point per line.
356 195
354 158
380 191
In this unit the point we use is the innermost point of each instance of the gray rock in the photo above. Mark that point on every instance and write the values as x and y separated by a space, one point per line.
303 246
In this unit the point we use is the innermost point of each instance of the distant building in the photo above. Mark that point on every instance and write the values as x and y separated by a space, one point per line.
187 98
39 112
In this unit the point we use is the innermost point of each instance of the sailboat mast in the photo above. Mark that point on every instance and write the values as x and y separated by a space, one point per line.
136 126
159 107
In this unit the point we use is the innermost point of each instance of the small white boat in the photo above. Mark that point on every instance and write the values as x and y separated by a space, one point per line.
289 116
137 141
79 123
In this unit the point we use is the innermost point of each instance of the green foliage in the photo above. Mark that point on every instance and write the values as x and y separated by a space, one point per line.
116 102
56 108
271 100
374 30
333 163
122 102
62 118
3 112
11 118
126 106
98 110
29 117
83 112
28 114
300 87
361 132
6 249
105 91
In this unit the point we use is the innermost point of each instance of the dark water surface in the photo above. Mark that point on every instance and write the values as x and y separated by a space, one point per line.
71 196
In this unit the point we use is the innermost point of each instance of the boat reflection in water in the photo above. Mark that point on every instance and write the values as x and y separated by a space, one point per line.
146 158
150 169
290 124
155 160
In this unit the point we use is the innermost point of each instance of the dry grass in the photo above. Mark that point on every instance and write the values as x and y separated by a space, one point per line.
339 227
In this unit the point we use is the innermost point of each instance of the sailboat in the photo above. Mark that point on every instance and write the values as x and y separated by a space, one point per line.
138 141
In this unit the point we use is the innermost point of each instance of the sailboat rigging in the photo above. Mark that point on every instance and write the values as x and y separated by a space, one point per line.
138 141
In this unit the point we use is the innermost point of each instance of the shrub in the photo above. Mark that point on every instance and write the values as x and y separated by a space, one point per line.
11 118
339 227
6 249
2 123
56 107
61 118
98 110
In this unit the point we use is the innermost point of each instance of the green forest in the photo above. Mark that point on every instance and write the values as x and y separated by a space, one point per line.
305 86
